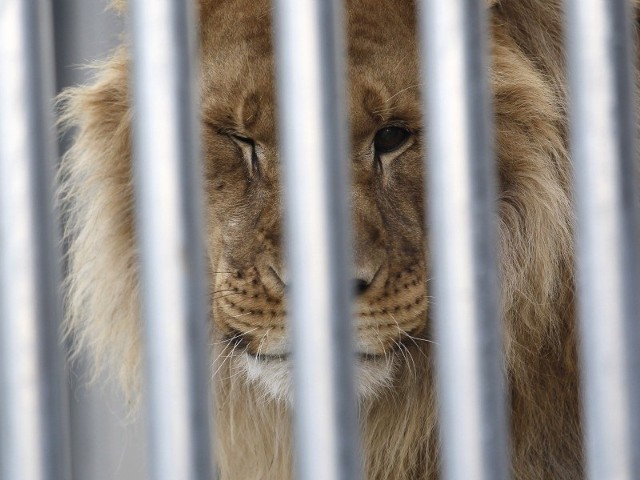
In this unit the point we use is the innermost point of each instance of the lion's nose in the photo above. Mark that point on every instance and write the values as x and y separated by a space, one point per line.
360 286
363 276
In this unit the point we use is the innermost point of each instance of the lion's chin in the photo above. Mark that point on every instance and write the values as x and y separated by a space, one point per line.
273 375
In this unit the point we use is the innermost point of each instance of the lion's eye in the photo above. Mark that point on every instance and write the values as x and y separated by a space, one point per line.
389 139
245 141
248 147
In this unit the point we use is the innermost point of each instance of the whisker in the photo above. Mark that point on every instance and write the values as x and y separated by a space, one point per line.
227 295
225 358
416 339
408 358
401 91
404 350
403 334
239 371
238 335
222 364
384 350
262 341
220 291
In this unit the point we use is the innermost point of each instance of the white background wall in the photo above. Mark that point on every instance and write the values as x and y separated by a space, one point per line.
105 443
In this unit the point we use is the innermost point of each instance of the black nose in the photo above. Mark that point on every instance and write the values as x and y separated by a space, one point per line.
360 286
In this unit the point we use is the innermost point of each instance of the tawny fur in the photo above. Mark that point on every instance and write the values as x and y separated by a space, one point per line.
399 417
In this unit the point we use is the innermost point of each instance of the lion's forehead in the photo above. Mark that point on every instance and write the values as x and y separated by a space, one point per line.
239 73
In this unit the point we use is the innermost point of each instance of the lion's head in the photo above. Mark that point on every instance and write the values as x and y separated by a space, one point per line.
248 277
244 214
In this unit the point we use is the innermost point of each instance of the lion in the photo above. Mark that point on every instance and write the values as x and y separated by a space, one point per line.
247 275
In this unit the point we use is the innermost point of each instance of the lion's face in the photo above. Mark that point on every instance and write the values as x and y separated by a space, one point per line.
245 213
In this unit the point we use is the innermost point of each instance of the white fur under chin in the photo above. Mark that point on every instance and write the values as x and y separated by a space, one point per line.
273 376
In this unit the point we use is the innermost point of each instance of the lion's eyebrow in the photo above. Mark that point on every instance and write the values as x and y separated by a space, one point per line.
219 118
373 102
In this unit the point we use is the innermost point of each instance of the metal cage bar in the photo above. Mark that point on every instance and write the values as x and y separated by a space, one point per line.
32 415
167 170
461 209
604 151
313 130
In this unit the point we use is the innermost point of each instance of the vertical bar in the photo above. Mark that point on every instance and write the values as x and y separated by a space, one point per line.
166 141
32 418
603 143
461 206
313 125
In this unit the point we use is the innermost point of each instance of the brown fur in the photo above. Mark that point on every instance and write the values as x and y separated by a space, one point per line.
399 430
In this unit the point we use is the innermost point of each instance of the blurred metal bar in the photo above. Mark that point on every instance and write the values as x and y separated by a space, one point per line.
167 174
32 417
313 128
604 151
461 206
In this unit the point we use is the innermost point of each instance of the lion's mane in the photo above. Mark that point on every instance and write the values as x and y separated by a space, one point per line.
399 426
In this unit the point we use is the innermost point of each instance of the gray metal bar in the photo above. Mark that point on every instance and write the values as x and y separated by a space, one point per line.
603 143
313 125
167 175
461 206
32 417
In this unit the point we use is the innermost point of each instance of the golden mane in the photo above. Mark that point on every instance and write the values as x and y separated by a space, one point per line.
399 419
